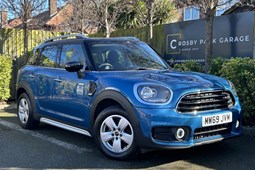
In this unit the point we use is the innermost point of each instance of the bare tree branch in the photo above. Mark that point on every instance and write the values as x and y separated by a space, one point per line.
208 8
23 9
250 3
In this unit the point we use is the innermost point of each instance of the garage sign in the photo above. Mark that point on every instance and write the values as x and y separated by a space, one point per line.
233 36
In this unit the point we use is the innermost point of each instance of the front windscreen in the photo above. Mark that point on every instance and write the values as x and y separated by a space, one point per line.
111 56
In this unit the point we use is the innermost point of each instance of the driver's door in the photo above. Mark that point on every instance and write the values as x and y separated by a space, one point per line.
69 91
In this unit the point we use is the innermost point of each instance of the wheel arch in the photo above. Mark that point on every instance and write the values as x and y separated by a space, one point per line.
109 98
23 87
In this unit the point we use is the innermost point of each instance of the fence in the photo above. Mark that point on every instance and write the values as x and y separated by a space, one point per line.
12 44
157 42
11 40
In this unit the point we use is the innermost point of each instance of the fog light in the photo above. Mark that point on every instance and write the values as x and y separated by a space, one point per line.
237 124
180 133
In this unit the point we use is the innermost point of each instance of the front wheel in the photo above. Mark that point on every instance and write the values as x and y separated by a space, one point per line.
114 134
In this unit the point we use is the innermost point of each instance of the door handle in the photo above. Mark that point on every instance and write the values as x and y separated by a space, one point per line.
31 76
57 80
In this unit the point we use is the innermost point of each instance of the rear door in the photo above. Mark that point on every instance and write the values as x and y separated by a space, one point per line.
43 75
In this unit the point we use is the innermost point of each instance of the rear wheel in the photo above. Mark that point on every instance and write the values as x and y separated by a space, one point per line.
114 134
25 112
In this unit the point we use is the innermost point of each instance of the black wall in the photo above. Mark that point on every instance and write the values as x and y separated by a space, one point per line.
233 36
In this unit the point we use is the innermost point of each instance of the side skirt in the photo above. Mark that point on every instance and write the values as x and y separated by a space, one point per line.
64 126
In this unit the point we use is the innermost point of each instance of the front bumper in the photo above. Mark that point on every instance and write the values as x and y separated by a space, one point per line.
151 119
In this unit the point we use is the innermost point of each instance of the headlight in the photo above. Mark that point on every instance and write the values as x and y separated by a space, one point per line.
232 87
153 93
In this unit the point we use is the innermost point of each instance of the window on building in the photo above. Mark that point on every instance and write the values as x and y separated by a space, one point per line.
224 5
219 12
191 13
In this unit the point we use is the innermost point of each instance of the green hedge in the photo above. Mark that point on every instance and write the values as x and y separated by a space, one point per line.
189 66
216 66
5 76
240 71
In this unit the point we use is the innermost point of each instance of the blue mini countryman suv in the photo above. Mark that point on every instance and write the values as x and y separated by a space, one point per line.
123 94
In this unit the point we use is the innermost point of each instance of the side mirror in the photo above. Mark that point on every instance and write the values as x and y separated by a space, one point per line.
171 64
74 66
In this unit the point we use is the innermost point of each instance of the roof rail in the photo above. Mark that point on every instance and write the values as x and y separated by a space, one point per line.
77 36
127 37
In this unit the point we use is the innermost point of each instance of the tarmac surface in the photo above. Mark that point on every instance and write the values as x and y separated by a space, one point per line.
53 148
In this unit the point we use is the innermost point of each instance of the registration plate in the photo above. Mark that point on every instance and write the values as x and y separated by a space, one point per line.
216 119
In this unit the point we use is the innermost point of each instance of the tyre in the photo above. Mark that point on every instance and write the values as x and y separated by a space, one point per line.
25 112
114 134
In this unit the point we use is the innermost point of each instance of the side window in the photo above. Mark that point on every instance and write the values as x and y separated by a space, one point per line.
48 56
72 52
34 57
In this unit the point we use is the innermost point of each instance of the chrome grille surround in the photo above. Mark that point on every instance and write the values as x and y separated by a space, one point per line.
204 101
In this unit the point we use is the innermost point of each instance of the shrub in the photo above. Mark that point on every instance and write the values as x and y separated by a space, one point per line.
5 76
216 66
189 66
242 73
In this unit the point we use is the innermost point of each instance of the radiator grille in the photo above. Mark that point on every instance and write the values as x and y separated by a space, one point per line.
203 101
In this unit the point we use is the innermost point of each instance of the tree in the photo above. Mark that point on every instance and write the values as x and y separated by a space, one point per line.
148 13
248 3
78 14
208 9
156 9
107 12
149 17
23 9
102 14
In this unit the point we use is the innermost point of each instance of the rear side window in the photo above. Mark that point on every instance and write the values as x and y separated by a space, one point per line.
49 56
34 57
72 53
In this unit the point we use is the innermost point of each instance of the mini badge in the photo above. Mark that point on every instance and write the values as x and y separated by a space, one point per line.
80 88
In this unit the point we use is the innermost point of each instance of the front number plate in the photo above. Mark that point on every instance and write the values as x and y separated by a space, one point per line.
216 119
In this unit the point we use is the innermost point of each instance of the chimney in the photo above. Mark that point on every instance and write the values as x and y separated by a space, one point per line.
3 18
53 9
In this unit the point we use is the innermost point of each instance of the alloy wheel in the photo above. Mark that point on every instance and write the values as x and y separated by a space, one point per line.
116 133
23 110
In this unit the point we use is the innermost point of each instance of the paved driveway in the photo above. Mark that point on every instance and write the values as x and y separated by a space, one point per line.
53 148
